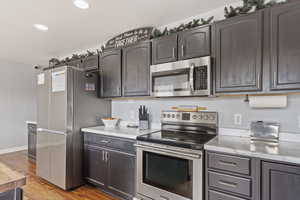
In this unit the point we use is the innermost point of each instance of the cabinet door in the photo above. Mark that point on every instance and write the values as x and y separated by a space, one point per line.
194 43
280 182
95 166
91 63
75 63
32 145
110 74
164 49
285 47
136 70
238 53
121 174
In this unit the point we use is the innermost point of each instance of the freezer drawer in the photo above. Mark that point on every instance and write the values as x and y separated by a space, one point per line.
51 156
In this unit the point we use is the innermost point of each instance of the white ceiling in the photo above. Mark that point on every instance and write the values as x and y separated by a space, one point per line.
71 29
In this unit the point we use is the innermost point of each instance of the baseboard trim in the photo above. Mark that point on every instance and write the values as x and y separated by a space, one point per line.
14 149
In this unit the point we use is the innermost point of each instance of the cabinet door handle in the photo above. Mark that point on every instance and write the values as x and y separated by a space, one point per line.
103 155
182 50
164 198
258 80
192 67
104 141
173 52
274 79
106 156
232 164
228 184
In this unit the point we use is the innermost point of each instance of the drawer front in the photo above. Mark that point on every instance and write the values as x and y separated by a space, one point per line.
31 128
110 142
213 195
229 163
95 139
123 145
230 183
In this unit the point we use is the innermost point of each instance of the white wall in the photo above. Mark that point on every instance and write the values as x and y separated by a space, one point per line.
17 103
226 107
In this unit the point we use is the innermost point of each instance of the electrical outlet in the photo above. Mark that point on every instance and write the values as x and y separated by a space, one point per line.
237 119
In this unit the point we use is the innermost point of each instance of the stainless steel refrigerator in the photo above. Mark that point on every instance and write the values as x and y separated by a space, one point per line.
67 102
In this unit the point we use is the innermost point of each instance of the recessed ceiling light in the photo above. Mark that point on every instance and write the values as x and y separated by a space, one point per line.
82 4
41 27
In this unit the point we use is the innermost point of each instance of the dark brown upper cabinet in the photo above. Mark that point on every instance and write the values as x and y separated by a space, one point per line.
194 43
238 51
285 47
164 49
111 74
136 69
75 63
91 63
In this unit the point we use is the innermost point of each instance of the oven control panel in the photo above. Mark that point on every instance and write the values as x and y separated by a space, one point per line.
202 117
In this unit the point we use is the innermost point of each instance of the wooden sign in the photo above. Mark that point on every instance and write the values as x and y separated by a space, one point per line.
130 37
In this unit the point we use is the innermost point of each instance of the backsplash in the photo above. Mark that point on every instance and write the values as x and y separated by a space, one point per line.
227 107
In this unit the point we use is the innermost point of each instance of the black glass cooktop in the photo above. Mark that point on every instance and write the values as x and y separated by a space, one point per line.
178 138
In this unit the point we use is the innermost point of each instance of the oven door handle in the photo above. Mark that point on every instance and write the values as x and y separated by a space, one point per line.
169 152
192 77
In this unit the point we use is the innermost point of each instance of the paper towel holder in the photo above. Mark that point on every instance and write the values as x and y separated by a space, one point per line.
246 98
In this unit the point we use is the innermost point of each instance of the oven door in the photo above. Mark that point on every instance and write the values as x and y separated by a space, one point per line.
163 174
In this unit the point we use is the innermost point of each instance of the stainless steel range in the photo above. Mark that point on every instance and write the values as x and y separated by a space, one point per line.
170 162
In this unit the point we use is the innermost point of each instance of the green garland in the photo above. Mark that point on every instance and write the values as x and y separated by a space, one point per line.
248 6
55 61
192 24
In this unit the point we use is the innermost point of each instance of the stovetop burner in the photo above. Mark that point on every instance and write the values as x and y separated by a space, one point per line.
178 139
184 129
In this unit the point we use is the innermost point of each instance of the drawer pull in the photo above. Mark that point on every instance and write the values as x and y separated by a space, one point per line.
104 141
226 183
164 198
232 164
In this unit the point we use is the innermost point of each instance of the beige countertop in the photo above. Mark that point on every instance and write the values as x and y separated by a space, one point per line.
284 151
10 179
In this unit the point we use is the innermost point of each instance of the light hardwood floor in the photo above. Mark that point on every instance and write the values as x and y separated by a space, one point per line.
38 189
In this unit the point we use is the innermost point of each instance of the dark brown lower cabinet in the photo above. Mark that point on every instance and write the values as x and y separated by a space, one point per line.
32 141
16 194
258 179
121 174
95 165
109 164
229 177
280 181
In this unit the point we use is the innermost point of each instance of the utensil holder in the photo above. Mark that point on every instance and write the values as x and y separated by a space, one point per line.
144 124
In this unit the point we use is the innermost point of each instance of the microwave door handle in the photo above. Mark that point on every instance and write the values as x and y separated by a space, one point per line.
192 77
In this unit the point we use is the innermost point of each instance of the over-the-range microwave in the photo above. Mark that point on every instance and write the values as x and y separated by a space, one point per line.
183 78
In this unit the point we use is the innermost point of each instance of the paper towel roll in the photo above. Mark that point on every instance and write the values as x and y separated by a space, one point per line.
268 101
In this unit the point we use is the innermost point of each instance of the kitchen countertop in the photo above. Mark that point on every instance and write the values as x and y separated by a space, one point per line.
284 151
123 132
9 179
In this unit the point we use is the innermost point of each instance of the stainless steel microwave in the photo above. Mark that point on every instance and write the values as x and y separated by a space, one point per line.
183 78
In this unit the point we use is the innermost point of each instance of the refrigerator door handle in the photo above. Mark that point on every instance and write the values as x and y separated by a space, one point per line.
51 131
